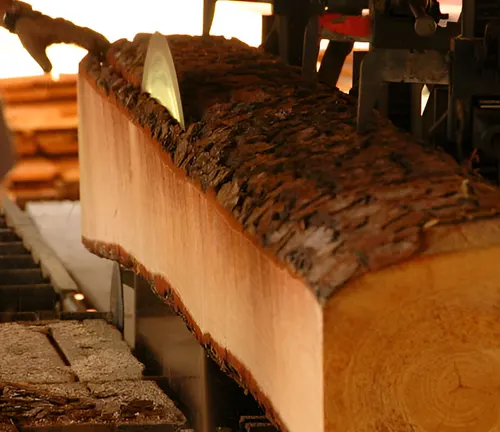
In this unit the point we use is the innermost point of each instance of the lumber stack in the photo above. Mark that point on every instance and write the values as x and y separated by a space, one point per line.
42 115
349 282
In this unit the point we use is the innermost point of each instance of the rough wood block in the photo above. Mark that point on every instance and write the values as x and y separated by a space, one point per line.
348 281
56 143
27 356
69 169
89 408
96 351
36 170
46 115
23 195
25 144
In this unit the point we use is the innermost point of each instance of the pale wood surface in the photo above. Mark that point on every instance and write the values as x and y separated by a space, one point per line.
264 317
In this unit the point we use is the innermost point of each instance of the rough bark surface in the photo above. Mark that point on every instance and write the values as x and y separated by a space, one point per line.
68 404
286 162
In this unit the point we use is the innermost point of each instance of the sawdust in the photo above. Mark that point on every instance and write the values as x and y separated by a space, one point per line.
96 351
27 356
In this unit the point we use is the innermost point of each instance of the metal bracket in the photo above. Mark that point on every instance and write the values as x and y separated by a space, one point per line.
117 305
387 65
311 49
208 15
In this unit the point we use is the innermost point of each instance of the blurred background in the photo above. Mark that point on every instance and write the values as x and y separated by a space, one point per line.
41 110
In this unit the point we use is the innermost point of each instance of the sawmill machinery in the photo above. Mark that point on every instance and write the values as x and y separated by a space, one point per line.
412 46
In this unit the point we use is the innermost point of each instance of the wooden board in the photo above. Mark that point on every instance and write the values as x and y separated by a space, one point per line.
349 282
58 143
33 170
37 88
42 113
34 179
25 144
51 115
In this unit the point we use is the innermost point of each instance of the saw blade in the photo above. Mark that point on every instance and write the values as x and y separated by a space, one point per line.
160 78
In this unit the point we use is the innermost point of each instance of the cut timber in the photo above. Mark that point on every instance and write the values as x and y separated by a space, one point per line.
58 142
349 282
42 116
25 144
37 170
45 179
37 88
42 113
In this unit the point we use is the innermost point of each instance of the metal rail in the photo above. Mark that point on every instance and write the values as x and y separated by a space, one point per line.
32 278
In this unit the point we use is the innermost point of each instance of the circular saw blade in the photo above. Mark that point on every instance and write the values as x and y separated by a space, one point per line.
160 78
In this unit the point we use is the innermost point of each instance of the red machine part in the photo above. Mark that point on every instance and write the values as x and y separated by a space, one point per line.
347 25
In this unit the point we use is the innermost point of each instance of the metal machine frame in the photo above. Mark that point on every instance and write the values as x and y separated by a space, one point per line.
160 339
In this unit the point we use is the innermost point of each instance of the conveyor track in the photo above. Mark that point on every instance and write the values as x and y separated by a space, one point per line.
23 287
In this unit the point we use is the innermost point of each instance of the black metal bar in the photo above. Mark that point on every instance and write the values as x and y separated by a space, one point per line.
333 61
208 15
311 49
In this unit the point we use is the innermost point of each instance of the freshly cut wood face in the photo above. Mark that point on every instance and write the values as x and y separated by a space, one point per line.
340 278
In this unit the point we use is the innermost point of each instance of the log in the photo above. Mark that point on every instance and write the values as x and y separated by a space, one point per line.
349 282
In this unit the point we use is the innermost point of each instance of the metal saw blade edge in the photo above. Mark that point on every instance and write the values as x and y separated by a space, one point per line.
160 77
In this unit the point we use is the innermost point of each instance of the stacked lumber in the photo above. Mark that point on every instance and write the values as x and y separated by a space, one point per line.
42 115
349 282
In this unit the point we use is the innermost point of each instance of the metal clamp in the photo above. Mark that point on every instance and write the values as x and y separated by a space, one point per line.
382 66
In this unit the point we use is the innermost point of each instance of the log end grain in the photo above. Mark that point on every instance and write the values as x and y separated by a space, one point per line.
416 347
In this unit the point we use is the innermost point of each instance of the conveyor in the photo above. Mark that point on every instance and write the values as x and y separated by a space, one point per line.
33 301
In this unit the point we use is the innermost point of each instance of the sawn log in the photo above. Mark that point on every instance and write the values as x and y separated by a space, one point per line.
350 282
